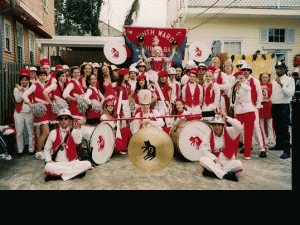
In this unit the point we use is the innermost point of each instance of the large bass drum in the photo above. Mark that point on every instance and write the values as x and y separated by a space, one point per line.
102 143
187 137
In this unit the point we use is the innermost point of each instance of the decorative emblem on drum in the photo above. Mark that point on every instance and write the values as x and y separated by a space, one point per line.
151 150
115 53
198 52
196 142
101 144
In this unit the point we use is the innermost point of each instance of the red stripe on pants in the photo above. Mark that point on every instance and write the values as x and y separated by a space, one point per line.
248 120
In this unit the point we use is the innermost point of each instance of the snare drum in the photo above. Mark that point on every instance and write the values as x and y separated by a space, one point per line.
87 131
102 143
187 137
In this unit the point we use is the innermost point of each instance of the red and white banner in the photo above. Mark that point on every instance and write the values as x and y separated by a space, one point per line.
154 36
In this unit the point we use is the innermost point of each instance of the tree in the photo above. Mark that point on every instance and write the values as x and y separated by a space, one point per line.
134 10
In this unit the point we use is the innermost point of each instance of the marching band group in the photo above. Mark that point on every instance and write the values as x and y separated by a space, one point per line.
153 86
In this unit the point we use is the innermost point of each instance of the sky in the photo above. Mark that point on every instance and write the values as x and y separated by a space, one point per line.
152 13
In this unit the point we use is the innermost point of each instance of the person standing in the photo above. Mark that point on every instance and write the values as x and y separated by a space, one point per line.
177 59
283 91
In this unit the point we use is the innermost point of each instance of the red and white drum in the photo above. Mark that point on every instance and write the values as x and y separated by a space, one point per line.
102 143
187 137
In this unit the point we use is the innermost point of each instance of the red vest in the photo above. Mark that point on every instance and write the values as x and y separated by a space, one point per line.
38 93
19 106
253 91
70 146
126 91
94 95
231 146
77 89
219 80
192 100
57 92
208 97
151 118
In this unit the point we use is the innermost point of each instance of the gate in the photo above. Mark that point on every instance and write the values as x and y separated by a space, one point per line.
9 76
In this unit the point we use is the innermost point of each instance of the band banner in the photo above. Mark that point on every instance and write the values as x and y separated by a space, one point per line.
154 36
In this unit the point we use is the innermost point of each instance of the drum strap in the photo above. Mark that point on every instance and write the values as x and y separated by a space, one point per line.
61 146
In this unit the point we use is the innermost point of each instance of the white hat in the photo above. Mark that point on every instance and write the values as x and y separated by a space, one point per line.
218 119
246 66
241 62
190 65
33 69
185 79
172 70
96 65
53 69
145 97
113 67
141 64
66 67
64 112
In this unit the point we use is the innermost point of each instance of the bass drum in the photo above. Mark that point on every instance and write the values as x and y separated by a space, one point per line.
187 137
102 143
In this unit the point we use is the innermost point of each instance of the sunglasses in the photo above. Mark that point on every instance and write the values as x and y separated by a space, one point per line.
64 118
238 66
247 70
110 105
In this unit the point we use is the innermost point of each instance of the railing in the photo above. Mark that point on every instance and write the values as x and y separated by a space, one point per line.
9 76
266 4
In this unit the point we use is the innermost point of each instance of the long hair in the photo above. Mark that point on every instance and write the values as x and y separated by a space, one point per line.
107 113
82 68
138 86
58 75
88 78
120 81
100 78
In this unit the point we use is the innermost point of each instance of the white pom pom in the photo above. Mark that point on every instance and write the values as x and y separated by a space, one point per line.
39 110
58 105
82 105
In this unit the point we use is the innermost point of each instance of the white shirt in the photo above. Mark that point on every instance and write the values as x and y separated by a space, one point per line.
18 97
192 88
243 102
215 104
31 90
283 95
223 86
70 88
89 92
61 156
135 125
233 132
258 90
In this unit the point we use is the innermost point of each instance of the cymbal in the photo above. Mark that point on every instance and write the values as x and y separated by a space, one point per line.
151 150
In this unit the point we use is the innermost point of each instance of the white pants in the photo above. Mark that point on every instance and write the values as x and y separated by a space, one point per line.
258 133
22 120
126 111
67 170
160 107
271 134
228 166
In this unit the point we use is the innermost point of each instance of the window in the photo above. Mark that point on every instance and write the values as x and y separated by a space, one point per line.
277 35
20 43
233 47
31 47
7 35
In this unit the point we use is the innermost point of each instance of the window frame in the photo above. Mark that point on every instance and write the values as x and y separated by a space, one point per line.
7 23
230 41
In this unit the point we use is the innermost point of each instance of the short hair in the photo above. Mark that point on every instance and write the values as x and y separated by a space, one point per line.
214 58
39 73
74 68
261 74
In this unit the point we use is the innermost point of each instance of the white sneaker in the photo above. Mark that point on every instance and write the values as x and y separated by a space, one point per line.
39 156
6 157
247 158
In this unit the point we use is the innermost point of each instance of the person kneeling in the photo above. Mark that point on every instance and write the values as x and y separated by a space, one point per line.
219 148
60 151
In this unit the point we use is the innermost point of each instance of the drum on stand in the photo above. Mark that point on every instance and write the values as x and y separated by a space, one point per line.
187 137
102 143
150 150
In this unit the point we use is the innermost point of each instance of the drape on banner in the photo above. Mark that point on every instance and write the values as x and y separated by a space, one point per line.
154 36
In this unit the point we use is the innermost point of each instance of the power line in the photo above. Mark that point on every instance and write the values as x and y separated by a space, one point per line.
219 13
203 11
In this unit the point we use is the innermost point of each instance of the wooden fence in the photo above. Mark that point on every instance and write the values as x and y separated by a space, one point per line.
9 76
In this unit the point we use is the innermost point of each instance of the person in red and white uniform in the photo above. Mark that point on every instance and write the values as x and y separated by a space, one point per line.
211 92
73 90
219 148
244 109
175 85
166 91
54 91
178 110
60 154
92 93
221 79
257 98
23 115
265 113
36 90
123 85
192 93
152 121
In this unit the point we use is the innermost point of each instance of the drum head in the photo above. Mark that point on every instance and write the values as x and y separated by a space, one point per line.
115 52
102 143
191 138
199 52
151 150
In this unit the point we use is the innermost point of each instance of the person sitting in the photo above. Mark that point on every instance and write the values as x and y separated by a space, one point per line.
61 150
145 100
219 148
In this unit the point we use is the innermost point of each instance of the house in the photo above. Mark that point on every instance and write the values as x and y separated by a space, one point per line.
242 27
29 20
